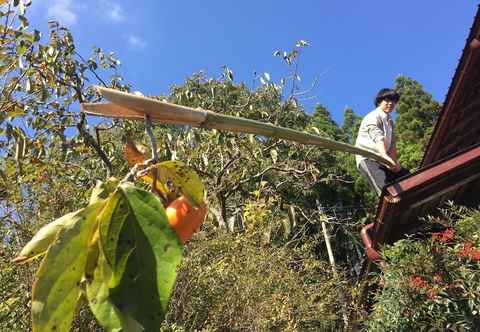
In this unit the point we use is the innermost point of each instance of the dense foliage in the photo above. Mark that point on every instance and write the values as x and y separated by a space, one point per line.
260 261
255 281
432 284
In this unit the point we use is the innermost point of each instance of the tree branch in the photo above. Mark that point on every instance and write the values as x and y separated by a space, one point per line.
91 70
260 174
224 169
89 140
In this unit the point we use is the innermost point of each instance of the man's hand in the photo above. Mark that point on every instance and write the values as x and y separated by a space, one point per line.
397 167
393 165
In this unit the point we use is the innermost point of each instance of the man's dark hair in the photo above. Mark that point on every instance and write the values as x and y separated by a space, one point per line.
386 94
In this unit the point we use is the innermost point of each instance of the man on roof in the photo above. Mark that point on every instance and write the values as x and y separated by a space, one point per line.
376 134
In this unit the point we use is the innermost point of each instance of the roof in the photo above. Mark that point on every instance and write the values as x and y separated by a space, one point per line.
458 126
450 169
406 201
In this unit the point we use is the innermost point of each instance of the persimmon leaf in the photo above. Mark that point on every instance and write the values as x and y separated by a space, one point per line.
169 174
40 242
159 185
57 286
146 285
111 221
103 189
93 252
136 270
102 306
136 154
183 179
133 153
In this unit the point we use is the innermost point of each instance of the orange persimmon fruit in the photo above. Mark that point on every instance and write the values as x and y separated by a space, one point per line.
184 218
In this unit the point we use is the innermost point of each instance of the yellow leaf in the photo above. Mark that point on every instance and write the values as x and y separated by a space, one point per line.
39 244
171 175
183 178
11 301
159 186
56 289
2 27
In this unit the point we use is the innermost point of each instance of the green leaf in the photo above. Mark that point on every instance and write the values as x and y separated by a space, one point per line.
36 35
134 294
98 295
106 312
22 47
57 286
230 74
93 253
148 280
103 189
115 249
17 111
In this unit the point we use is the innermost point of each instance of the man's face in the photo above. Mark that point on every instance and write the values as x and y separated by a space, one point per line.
387 105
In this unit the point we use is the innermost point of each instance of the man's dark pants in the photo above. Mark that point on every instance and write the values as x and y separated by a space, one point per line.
378 175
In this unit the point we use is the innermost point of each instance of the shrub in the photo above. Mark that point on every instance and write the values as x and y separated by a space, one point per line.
238 282
433 284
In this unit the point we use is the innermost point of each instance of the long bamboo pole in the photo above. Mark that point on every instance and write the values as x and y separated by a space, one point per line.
130 106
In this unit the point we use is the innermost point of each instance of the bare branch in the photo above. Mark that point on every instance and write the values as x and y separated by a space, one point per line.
89 140
302 93
260 174
224 168
90 69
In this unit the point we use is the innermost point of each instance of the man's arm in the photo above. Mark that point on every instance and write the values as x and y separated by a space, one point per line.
373 125
383 152
393 154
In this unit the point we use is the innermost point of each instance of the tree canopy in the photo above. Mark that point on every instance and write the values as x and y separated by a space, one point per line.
417 112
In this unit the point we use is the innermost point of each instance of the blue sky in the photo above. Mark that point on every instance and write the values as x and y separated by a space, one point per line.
356 47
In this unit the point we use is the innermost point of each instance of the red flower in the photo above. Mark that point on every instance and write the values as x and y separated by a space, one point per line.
445 236
475 254
418 282
469 251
